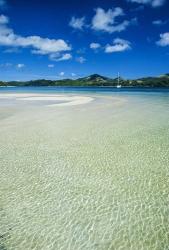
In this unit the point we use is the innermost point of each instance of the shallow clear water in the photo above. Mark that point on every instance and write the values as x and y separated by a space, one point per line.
85 177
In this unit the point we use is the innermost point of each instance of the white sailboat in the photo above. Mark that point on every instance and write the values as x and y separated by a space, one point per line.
118 85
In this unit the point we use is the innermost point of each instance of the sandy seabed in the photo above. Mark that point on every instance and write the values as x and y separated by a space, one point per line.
84 177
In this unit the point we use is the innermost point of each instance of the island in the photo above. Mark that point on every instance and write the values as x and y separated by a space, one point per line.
94 80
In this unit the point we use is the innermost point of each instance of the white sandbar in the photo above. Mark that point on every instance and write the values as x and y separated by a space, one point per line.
65 100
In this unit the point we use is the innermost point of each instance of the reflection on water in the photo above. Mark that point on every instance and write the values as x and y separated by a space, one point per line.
92 176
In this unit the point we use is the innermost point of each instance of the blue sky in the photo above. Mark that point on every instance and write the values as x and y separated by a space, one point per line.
57 39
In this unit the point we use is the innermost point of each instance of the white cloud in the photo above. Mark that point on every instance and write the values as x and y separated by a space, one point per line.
73 74
119 45
157 22
62 73
105 21
65 57
160 22
80 59
20 65
77 23
42 46
56 57
51 65
153 3
164 39
95 45
157 3
3 19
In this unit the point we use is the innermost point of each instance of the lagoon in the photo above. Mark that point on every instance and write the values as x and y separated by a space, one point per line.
92 176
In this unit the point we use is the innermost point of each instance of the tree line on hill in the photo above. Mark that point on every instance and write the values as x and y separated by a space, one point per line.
95 80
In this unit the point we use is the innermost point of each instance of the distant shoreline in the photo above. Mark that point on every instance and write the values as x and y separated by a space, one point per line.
94 80
99 87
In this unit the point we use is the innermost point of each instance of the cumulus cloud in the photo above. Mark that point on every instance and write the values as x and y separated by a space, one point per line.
65 57
119 45
3 19
95 46
51 65
20 65
56 57
77 23
105 20
153 3
62 73
80 59
164 40
7 65
157 22
39 45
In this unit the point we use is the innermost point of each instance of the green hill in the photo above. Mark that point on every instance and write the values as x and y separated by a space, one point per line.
96 80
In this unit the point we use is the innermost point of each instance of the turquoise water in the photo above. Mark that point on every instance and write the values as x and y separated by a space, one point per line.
91 176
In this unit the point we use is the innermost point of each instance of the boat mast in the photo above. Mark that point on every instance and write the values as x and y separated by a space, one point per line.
118 78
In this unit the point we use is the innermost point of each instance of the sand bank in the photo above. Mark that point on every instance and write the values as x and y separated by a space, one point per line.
64 100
